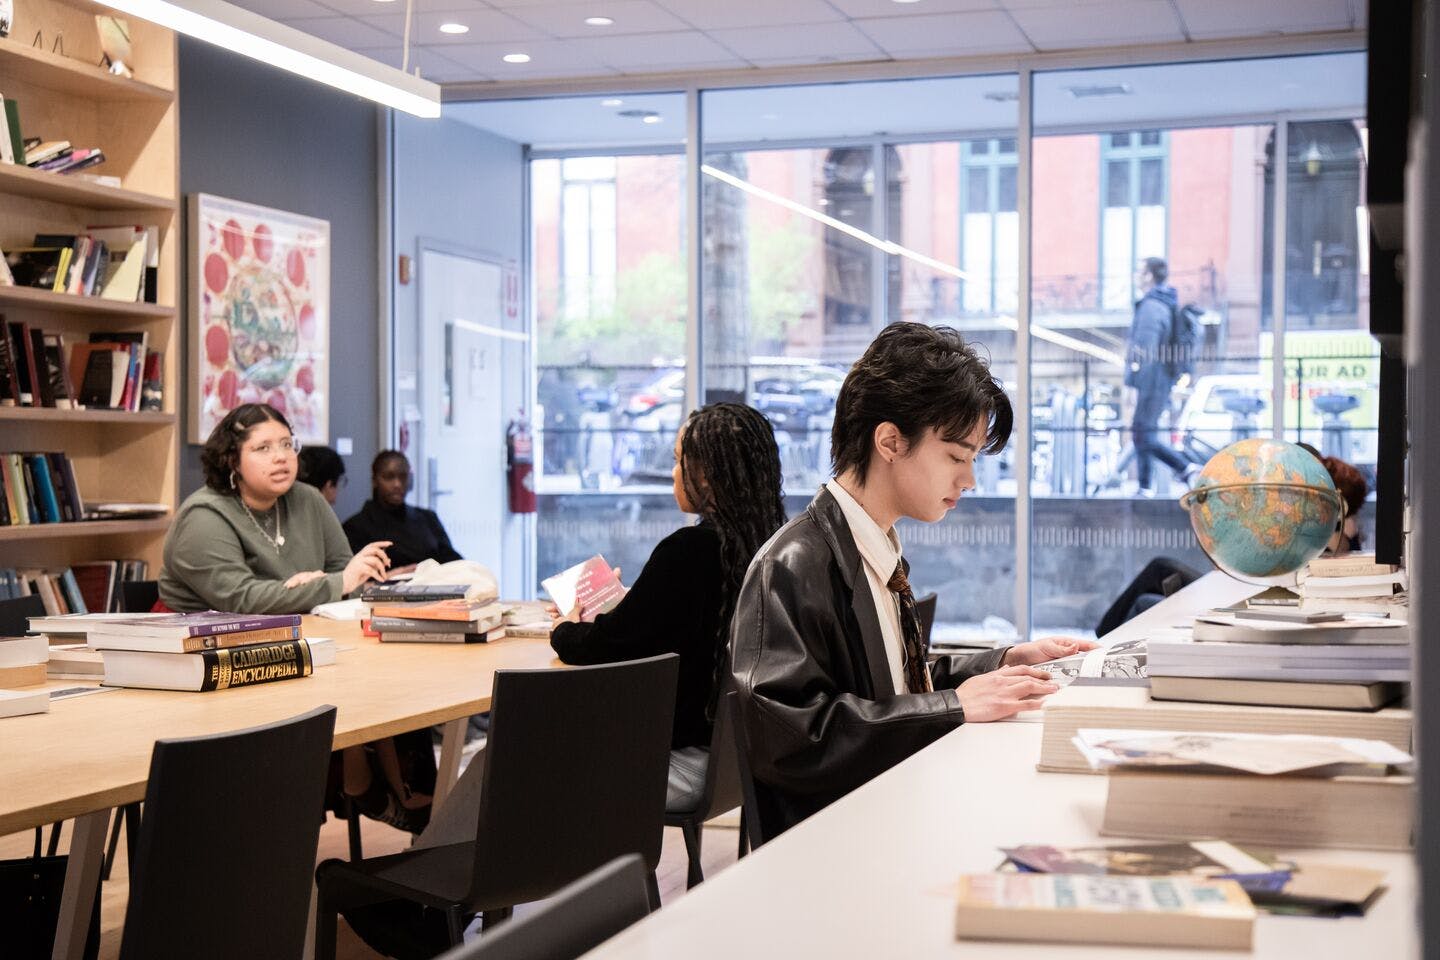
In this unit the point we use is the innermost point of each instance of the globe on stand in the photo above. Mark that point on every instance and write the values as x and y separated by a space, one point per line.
1262 509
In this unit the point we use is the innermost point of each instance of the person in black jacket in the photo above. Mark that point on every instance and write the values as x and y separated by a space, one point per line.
415 533
834 681
727 470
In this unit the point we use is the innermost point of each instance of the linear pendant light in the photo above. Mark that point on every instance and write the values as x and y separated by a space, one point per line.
244 32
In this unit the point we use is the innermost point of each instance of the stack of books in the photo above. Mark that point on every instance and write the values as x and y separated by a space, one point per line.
1079 707
1331 660
206 651
68 634
433 613
1285 791
527 619
39 488
114 263
1354 583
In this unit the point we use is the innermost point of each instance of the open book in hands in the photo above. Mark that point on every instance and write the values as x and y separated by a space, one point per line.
591 585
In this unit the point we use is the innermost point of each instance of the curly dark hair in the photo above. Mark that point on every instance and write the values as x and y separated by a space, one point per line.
917 377
731 448
222 450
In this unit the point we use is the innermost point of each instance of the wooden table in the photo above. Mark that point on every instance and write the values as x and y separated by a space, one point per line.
874 874
90 754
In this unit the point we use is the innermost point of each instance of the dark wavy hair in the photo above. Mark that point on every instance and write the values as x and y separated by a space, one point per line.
919 378
222 450
731 448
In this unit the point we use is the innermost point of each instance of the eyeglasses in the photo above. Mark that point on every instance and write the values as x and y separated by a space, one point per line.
287 446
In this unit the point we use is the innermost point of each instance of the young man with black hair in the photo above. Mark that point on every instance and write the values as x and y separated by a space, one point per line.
831 671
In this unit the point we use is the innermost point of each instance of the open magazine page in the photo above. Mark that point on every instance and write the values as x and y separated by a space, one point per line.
1123 661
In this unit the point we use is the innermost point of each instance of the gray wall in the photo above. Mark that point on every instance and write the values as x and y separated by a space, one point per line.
254 133
462 188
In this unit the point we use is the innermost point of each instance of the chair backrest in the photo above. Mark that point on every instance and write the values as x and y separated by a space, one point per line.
575 769
925 610
730 709
15 615
722 790
138 596
578 919
226 850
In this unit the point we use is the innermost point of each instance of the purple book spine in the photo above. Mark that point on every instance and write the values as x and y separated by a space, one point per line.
215 627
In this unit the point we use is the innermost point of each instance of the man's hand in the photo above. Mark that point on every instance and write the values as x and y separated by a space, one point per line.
1003 693
1045 649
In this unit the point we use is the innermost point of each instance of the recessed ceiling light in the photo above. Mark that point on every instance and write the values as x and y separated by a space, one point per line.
611 102
599 21
652 118
907 1
1084 90
454 28
516 58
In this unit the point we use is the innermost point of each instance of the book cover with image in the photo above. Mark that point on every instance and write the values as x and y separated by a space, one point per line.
591 585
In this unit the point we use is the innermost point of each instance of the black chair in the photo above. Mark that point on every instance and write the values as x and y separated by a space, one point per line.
227 844
579 918
15 615
925 610
575 773
721 793
138 596
750 819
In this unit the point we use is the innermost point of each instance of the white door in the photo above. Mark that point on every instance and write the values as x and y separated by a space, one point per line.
460 449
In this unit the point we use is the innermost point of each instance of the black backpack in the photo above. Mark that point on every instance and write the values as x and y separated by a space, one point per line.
1186 338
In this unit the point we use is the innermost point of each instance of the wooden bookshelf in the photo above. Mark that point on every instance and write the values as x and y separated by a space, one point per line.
63 95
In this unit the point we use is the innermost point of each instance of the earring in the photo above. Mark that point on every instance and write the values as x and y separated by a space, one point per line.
232 479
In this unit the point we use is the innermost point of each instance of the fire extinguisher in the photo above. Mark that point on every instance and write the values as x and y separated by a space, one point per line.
520 465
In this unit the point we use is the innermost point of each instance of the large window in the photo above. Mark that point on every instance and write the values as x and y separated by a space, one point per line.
827 211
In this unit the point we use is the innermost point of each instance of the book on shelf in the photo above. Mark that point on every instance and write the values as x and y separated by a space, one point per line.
102 371
8 153
211 623
40 488
18 703
1133 708
218 669
591 585
152 383
9 372
22 354
1343 663
101 638
125 510
442 636
23 651
56 371
45 150
1277 693
1368 812
1068 908
12 130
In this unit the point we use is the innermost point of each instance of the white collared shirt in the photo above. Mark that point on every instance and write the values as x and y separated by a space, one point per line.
880 550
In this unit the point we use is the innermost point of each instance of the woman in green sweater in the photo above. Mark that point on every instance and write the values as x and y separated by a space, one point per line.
252 540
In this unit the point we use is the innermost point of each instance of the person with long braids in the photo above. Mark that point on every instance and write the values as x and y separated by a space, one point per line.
727 470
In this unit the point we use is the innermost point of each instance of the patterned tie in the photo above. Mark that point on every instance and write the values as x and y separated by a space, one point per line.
917 677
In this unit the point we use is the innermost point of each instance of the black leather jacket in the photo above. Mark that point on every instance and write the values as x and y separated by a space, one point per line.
816 697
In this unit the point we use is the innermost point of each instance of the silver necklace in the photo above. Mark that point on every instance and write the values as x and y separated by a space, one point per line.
276 541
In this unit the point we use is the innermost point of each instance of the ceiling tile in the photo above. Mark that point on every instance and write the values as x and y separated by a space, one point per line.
889 8
812 43
568 19
664 51
1109 24
378 8
945 34
345 31
713 15
1208 19
556 55
286 9
486 26
433 64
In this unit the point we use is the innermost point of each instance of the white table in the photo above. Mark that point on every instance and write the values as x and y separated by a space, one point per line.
861 879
